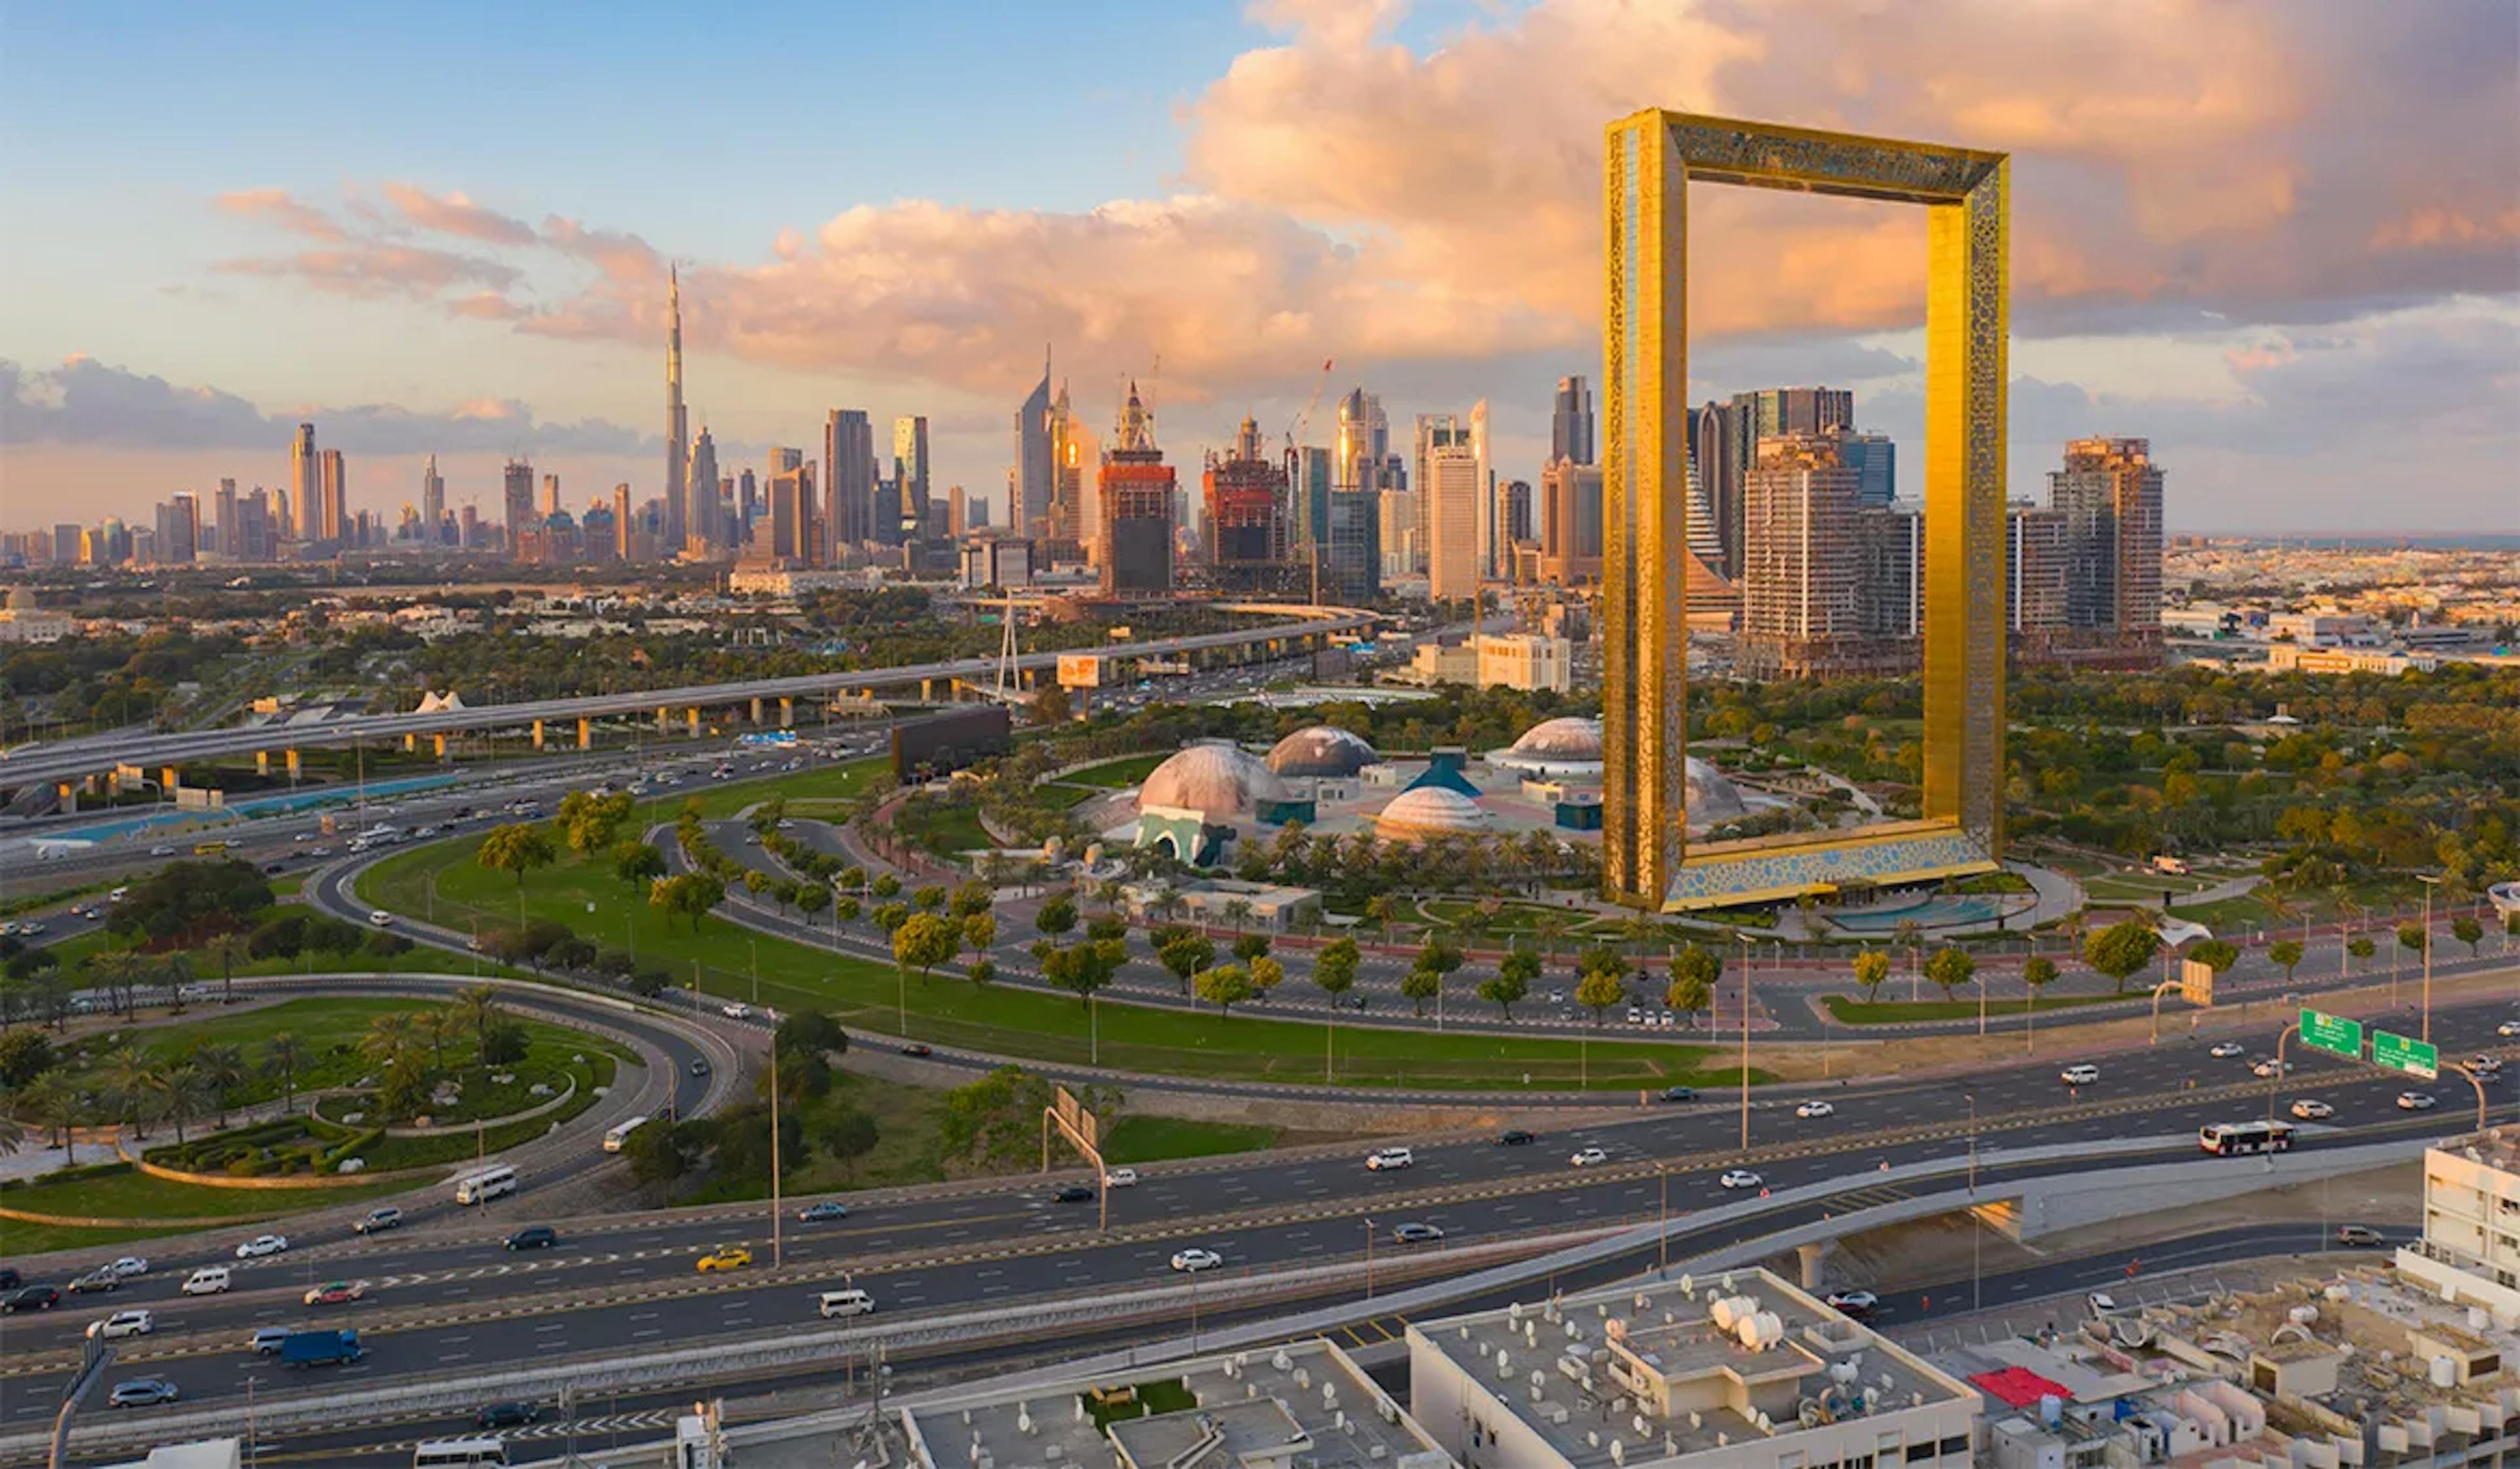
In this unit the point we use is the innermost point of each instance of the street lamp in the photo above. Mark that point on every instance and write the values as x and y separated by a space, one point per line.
2429 884
1749 947
1977 1226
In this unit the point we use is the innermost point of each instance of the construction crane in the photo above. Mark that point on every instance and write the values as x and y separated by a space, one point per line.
1295 431
1295 474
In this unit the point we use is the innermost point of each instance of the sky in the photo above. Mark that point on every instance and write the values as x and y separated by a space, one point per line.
2278 238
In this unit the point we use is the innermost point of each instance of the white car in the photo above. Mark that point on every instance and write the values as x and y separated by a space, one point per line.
2416 1102
1814 1108
2479 1063
260 1245
1191 1261
123 1323
2269 1067
1739 1178
1385 1158
1586 1157
2508 1029
735 1012
2310 1109
129 1265
162 850
380 918
2079 1076
2227 1050
1120 1178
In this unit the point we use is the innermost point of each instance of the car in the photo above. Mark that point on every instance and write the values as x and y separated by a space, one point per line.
814 1214
2312 1109
32 928
1384 1159
2226 1051
30 1298
1586 1157
1679 1094
496 1415
117 895
208 1280
261 1245
302 837
2416 1102
700 1066
1816 1108
266 1342
1073 1194
726 1258
2508 1030
1739 1178
2482 1064
1854 1303
2360 1236
129 1265
162 850
102 1278
141 1391
336 1293
736 1010
917 1049
2082 1075
1417 1234
1636 1016
1120 1178
534 1238
123 1324
1191 1261
2101 1302
1513 1138
380 918
2269 1067
379 1220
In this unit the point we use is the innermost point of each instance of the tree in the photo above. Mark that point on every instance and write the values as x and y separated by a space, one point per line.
516 848
130 1077
229 949
1872 972
221 1069
1695 969
1187 953
280 1054
1056 916
120 969
2360 947
1377 912
637 864
1687 994
923 941
1265 975
1950 968
850 1137
1250 946
2121 951
690 894
2216 954
812 898
885 885
2413 936
24 1054
2468 930
1421 983
1511 982
474 1008
1050 706
1224 987
1334 969
662 1153
1599 990
929 899
390 1038
2038 973
2286 955
980 931
53 1101
845 910
889 916
981 972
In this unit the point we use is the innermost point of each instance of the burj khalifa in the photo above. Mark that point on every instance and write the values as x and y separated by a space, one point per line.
677 418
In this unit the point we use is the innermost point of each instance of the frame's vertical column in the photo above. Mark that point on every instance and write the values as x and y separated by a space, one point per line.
1644 376
1965 335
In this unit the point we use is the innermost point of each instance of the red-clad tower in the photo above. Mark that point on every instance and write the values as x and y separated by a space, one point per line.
1138 489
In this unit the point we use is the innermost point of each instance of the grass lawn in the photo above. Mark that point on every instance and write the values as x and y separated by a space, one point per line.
946 830
1151 1139
863 994
1116 774
1512 917
1059 796
1846 1011
19 1237
137 1195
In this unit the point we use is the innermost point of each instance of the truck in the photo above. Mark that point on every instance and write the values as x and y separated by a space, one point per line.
320 1349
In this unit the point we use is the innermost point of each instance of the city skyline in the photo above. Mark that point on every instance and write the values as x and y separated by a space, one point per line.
2268 305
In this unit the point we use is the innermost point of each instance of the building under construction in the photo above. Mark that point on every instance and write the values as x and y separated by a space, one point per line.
1137 539
1248 531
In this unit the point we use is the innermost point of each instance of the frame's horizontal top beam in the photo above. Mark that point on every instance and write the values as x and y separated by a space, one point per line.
1765 156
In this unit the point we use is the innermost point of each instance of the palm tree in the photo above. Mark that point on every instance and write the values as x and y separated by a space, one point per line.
222 1070
130 1076
12 1133
56 1102
227 948
119 968
478 1005
174 972
281 1054
437 1027
1549 928
181 1093
390 1037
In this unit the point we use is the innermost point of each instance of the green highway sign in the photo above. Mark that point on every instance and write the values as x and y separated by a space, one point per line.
2333 1034
2399 1053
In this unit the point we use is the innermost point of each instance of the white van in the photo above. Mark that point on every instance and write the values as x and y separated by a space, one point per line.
845 1303
208 1280
482 1188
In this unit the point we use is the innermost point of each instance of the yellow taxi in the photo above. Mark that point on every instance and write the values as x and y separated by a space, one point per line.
726 1258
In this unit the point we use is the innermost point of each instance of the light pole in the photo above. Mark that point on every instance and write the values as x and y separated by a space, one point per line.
755 946
776 1254
1745 1045
1977 1226
1368 1256
1662 1234
2429 884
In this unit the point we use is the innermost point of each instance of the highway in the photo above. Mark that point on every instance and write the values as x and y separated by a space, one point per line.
41 764
445 1295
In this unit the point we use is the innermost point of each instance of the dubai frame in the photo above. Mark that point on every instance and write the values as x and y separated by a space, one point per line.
1650 159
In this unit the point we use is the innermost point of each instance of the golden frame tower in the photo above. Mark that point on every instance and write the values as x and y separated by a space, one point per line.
1649 160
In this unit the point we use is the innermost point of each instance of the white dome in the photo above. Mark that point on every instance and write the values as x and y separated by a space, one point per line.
1322 750
1570 737
1711 795
1222 782
1430 811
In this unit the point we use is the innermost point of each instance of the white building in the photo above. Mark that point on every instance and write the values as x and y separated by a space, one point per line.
1746 1372
2471 1246
2289 657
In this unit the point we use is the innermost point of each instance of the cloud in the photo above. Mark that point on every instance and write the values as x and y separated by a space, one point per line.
87 403
372 271
454 214
277 207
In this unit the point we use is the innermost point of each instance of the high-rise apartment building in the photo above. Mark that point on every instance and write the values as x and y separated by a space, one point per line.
678 421
2110 493
551 495
1352 549
955 523
179 521
1138 490
1455 512
1874 459
1434 431
432 504
704 518
305 487
1570 422
517 483
910 466
621 528
67 538
1513 502
1890 592
2034 569
1570 523
1033 462
229 534
848 479
1720 456
1065 524
792 510
336 481
1313 485
1802 554
1724 445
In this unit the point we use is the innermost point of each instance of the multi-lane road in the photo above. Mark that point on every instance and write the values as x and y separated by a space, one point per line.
444 1295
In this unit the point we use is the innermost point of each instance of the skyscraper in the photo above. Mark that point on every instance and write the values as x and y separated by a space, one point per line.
1455 515
518 481
1570 422
704 519
1033 463
2034 571
551 496
1874 459
1570 523
2110 493
1246 499
231 526
622 520
791 507
179 523
677 420
910 466
1138 489
1485 507
335 500
432 504
1064 521
955 524
305 487
848 479
1802 555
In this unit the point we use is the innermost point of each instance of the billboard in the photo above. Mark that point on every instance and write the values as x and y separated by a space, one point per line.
1080 671
939 744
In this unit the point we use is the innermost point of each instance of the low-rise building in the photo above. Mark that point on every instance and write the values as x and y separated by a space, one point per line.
2471 1245
2292 658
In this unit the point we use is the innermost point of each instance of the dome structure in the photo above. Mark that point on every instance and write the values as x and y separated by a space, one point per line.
1430 811
1568 745
21 599
1711 795
1322 750
1223 783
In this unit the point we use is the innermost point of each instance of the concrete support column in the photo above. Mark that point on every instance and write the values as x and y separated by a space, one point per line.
68 793
441 747
664 720
538 734
786 713
1814 1256
586 733
695 719
756 713
262 762
293 763
173 779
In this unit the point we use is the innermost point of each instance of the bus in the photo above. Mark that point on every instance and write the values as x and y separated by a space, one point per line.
449 1453
485 1185
618 1137
2232 1139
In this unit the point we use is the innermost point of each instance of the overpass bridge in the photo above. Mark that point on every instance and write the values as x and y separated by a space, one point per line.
1301 627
